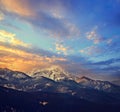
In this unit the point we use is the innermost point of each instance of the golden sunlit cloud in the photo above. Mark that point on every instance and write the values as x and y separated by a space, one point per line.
4 33
8 37
20 7
61 49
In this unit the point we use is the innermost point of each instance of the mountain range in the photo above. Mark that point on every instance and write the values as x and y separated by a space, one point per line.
57 82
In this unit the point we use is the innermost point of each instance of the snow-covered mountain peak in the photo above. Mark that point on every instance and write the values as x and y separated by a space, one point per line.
54 72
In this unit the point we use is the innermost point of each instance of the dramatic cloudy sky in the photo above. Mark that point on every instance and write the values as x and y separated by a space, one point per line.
82 36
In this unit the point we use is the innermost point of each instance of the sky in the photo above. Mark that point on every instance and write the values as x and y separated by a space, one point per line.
81 36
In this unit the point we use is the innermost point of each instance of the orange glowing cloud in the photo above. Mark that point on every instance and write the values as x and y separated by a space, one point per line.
20 7
17 59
